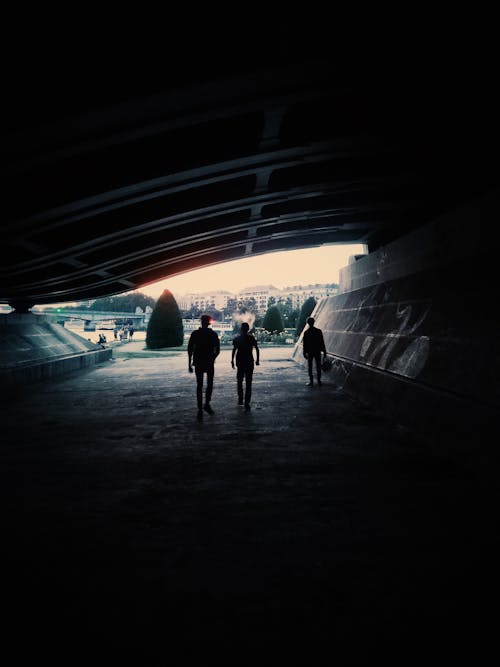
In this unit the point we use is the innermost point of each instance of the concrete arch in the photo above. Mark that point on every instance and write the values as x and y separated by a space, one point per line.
152 176
124 169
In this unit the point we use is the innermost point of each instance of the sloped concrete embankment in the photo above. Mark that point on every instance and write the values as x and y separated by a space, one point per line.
34 348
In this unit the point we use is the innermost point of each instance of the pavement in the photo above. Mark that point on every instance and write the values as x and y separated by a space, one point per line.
308 524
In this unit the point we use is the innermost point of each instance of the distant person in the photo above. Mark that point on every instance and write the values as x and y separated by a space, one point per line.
203 349
243 346
131 332
115 332
314 345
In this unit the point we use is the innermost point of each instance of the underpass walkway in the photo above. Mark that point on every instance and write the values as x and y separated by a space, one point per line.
308 518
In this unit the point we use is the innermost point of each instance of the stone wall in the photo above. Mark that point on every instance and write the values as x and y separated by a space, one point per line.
413 329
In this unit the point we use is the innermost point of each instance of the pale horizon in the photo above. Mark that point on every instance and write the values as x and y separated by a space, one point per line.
281 269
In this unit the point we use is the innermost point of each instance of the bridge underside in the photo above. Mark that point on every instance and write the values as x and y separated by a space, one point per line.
143 162
303 518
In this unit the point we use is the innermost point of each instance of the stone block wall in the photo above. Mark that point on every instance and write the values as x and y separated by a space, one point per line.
413 329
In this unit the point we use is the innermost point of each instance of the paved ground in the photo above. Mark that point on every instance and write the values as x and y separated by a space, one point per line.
306 523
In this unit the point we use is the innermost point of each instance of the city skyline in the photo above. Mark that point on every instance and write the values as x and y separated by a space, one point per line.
305 266
281 269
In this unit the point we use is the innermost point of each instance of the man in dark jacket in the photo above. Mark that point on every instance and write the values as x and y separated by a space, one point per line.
243 346
203 349
314 345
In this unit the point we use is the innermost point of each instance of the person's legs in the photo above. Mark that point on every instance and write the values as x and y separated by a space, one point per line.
199 387
210 385
248 385
317 356
239 383
310 367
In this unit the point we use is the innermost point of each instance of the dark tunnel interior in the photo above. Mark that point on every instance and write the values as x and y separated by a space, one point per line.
360 519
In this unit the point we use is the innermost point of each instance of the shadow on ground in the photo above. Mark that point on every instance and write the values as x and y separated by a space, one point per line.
307 524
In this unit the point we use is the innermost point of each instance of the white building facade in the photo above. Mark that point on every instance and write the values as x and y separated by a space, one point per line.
300 293
217 299
261 293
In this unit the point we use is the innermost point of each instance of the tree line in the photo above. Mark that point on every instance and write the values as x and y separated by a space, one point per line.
123 303
290 317
165 327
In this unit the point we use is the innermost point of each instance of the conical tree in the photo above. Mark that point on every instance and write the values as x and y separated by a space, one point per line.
305 312
273 320
165 328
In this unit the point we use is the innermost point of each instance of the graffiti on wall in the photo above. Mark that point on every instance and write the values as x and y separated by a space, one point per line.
387 354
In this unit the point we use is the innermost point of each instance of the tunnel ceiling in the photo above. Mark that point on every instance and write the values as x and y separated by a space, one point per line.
128 163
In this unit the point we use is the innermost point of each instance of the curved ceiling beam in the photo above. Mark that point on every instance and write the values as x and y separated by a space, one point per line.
114 184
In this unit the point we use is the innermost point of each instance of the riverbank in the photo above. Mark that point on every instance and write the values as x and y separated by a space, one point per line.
137 348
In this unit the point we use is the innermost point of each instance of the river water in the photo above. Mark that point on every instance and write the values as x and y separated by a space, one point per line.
77 327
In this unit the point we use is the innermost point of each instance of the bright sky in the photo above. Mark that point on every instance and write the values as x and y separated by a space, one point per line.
293 267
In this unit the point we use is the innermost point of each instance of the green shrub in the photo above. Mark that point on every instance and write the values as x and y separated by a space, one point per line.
165 328
273 320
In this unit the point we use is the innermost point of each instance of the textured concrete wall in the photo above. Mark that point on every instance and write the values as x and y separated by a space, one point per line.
413 330
32 348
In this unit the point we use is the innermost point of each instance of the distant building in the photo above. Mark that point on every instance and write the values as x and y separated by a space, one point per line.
300 293
217 299
260 293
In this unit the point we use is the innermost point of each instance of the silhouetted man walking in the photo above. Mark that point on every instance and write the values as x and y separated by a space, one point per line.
243 346
314 345
203 349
